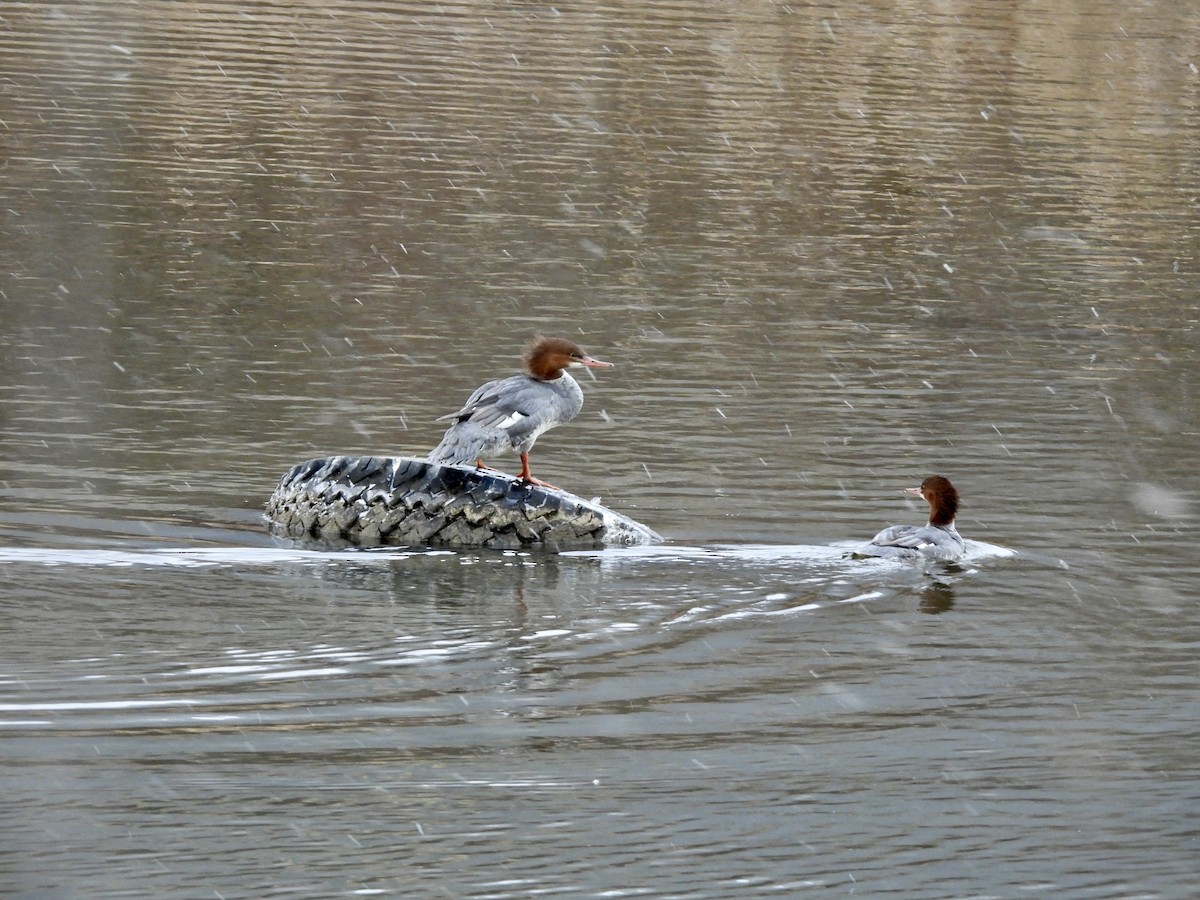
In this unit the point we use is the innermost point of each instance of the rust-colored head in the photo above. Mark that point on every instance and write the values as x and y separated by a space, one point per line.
547 357
942 498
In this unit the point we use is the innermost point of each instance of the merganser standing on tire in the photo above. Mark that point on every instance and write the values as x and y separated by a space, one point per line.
510 413
937 540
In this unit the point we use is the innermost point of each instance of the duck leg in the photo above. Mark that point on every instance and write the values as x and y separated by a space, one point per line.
529 479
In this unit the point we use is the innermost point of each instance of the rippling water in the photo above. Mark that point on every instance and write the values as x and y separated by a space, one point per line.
832 249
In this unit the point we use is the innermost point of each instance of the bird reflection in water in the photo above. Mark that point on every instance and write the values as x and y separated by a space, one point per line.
937 597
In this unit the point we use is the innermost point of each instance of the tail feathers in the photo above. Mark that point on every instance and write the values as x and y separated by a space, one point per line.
458 447
466 442
451 454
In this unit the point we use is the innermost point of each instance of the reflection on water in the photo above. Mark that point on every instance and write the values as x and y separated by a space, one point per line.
831 249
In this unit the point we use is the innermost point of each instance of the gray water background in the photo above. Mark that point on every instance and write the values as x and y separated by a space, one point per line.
831 249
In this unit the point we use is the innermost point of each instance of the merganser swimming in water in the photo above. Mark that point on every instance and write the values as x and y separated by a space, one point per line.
510 413
937 540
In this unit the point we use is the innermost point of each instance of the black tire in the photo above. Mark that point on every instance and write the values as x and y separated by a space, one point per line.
412 502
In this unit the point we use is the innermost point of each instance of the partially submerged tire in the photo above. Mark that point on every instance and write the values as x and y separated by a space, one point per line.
405 501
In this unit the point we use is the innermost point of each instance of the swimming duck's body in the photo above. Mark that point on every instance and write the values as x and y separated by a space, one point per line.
938 539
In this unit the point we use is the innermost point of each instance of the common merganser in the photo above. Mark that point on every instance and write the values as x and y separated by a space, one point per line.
937 540
510 413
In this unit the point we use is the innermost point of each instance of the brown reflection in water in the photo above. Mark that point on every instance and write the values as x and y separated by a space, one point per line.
937 597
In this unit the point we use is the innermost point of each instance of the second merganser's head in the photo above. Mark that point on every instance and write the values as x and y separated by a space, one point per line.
942 498
547 357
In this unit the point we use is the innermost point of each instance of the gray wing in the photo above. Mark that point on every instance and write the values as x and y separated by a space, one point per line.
490 404
516 405
901 536
929 541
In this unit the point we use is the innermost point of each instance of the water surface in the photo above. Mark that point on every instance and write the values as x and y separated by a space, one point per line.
832 249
